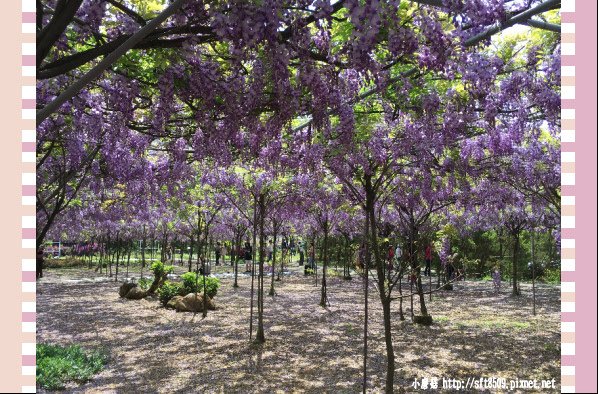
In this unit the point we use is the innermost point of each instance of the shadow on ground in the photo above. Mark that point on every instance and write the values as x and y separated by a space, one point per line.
476 333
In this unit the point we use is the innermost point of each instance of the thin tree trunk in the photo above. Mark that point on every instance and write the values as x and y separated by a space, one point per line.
205 295
316 264
110 258
401 315
101 247
390 354
533 276
129 258
236 246
142 253
152 250
181 254
259 336
118 254
282 257
190 261
253 266
366 267
417 267
430 280
324 296
411 292
275 235
384 295
515 262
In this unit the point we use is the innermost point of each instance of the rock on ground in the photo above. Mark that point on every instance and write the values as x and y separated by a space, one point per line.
190 303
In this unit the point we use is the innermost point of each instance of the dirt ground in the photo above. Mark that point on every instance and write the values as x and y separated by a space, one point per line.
476 334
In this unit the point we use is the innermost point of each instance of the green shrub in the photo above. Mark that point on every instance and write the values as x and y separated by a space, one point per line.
552 275
144 283
159 269
191 278
57 365
167 291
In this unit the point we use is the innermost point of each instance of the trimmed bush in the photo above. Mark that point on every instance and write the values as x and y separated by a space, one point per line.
191 278
58 365
159 269
168 291
144 283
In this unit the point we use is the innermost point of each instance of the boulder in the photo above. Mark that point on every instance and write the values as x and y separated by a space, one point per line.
135 294
195 302
190 303
125 288
174 301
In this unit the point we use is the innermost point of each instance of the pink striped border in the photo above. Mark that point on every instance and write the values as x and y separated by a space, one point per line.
28 140
578 246
567 196
569 278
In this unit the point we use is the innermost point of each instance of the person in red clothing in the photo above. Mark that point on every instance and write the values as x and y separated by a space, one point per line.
428 256
390 257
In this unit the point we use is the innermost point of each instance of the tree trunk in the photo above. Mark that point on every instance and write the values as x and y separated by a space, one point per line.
142 253
129 258
411 292
275 234
190 261
282 257
366 266
110 258
390 354
401 315
253 266
316 264
417 267
152 250
259 336
118 254
383 292
516 234
181 245
346 269
324 296
533 275
236 246
204 311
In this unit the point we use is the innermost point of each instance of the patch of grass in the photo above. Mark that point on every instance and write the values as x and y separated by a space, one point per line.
552 275
551 347
441 319
500 324
58 365
64 262
520 325
332 273
351 329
